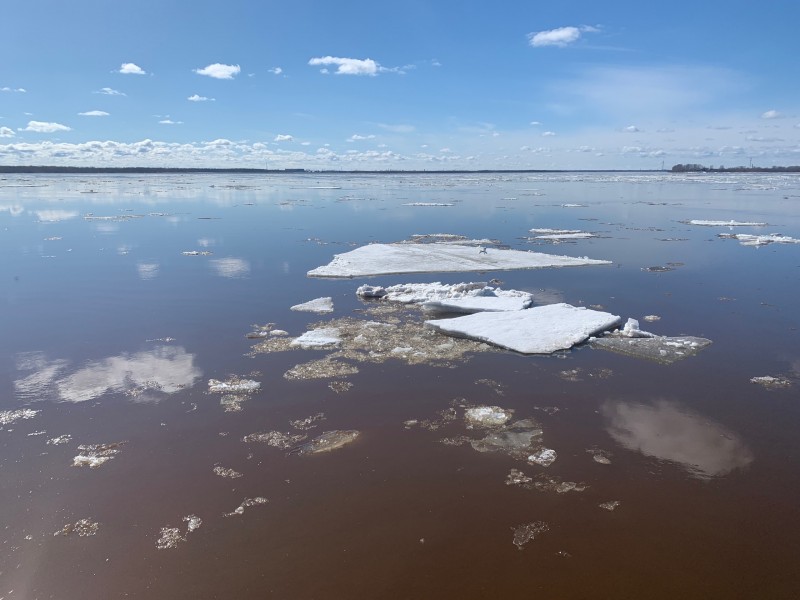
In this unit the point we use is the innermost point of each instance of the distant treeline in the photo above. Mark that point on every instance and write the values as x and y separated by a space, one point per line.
694 168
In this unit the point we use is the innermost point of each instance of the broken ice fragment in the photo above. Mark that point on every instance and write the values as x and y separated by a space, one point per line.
519 440
610 505
170 537
247 503
83 527
321 369
487 416
517 477
318 305
746 239
730 223
193 523
527 532
539 330
544 457
600 456
328 441
324 337
308 422
458 297
228 473
662 349
233 385
94 455
58 440
772 383
385 259
276 439
9 416
232 402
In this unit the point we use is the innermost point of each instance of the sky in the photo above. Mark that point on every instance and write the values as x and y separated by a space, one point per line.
434 85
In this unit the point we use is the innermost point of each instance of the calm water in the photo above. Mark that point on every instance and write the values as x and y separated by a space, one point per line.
111 334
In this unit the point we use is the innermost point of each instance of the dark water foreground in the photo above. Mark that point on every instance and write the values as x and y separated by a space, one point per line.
110 334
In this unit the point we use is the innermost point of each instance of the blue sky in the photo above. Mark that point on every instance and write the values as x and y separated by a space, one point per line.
402 85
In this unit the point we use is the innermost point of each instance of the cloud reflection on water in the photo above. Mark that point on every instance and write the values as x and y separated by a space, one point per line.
669 431
230 267
144 376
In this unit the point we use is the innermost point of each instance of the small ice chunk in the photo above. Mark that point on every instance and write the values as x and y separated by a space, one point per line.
193 523
662 349
246 503
371 291
540 330
527 532
7 417
610 505
276 439
651 318
772 383
59 439
83 527
227 473
544 457
746 239
385 259
170 537
318 305
631 330
487 416
730 223
327 442
94 455
324 337
233 385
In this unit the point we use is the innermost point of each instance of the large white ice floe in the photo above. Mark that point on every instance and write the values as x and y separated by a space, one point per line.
385 259
458 297
324 337
540 330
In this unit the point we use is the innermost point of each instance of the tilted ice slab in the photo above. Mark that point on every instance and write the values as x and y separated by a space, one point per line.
318 305
457 297
540 330
386 259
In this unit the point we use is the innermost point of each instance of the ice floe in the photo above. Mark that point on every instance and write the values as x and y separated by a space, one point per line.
172 537
459 297
772 383
746 239
611 505
544 457
528 532
327 442
95 455
276 439
7 417
385 259
233 385
308 423
82 527
539 330
487 416
227 473
662 349
246 503
324 337
318 305
730 223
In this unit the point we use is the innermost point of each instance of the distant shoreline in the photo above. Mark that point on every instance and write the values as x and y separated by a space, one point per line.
36 169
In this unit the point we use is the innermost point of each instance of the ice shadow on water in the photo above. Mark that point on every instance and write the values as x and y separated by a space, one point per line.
669 431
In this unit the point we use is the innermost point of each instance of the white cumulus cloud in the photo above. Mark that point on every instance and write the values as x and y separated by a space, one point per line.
356 138
632 129
6 132
548 134
109 92
283 137
131 69
562 36
17 90
43 127
771 114
348 66
94 113
170 122
219 71
199 98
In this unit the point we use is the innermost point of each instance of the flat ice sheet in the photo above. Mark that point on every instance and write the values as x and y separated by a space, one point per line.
458 297
386 259
725 223
540 330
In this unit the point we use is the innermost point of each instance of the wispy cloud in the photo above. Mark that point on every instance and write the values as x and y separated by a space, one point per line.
94 113
106 91
772 114
43 127
560 37
632 129
283 137
399 128
357 138
348 66
6 132
131 69
219 71
15 90
198 98
170 122
276 70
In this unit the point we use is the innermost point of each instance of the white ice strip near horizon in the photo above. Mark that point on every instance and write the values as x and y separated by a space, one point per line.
388 259
748 239
578 235
540 330
457 297
724 223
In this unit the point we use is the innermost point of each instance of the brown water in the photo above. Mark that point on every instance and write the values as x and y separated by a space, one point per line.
112 334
